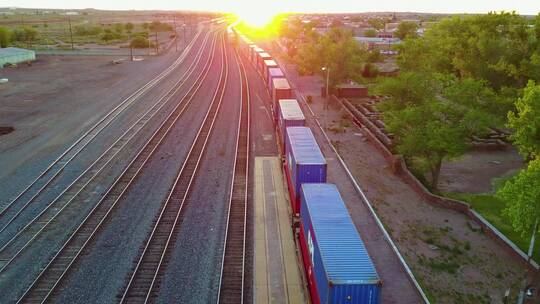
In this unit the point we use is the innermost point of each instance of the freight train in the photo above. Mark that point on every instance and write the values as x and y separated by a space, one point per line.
337 265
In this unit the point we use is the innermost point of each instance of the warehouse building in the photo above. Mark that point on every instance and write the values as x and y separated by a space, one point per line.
12 55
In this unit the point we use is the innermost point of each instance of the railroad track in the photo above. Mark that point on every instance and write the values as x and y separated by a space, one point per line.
146 278
232 278
53 170
78 191
89 173
43 287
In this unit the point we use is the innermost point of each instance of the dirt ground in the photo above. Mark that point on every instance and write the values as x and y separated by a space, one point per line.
474 172
452 259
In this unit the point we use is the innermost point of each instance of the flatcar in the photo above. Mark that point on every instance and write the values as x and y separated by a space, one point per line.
337 264
304 162
289 115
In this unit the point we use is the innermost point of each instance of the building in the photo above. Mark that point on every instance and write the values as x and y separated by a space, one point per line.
372 43
12 55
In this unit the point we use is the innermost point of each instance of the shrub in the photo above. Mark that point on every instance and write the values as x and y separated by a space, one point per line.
139 42
5 37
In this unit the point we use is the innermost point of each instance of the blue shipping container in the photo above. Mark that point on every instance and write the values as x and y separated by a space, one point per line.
290 115
305 161
340 265
272 74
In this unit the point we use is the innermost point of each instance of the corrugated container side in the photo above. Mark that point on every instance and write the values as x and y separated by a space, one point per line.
280 90
274 73
268 64
340 268
305 161
260 61
290 115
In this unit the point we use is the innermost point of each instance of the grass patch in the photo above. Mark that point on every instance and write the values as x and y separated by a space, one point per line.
491 209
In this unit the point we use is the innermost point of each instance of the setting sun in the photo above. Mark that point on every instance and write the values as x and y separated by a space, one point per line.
257 16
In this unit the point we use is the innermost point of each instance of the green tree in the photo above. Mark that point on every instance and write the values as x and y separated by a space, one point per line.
119 28
337 50
5 37
500 48
129 27
432 117
377 23
522 197
370 33
406 30
140 42
526 121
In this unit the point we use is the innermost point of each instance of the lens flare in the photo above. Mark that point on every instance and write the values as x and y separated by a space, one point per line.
257 16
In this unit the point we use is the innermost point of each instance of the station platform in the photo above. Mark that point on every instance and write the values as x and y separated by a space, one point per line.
277 274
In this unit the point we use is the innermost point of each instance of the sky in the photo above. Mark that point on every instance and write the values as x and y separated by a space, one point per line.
529 7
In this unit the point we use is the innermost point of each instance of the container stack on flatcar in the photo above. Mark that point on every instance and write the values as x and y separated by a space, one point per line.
255 55
337 264
268 64
280 90
289 115
304 162
273 73
261 58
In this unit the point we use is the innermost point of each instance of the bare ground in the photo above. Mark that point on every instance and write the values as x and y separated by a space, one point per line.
475 171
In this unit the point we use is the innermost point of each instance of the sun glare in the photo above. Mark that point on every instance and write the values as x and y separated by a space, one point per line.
257 16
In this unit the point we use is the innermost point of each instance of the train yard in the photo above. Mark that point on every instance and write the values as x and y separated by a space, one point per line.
153 202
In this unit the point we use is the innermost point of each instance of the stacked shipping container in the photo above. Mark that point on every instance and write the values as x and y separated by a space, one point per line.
337 265
304 162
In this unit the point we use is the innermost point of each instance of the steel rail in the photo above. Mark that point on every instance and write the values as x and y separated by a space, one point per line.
232 278
55 271
147 273
12 249
126 136
57 165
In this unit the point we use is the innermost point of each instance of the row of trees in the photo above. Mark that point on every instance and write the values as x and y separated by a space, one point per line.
337 49
464 75
21 34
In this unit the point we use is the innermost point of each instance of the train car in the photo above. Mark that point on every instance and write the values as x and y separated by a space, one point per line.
280 90
255 54
290 115
261 57
304 162
273 73
268 64
337 265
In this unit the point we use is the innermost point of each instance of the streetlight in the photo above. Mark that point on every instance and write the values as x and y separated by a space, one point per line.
327 70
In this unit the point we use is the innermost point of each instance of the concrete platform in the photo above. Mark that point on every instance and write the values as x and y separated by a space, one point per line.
277 274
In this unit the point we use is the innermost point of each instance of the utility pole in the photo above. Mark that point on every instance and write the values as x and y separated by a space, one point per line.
71 33
175 34
325 107
157 44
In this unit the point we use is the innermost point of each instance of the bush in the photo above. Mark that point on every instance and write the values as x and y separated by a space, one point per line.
370 71
88 30
24 34
139 42
5 37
